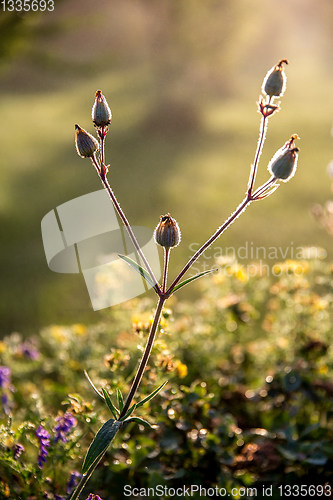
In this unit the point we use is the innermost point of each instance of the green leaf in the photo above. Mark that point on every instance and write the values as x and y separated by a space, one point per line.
111 406
183 283
138 269
100 443
139 421
130 411
120 400
148 398
93 385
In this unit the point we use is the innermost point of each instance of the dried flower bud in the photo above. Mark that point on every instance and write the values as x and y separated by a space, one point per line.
101 113
167 233
275 81
86 144
284 163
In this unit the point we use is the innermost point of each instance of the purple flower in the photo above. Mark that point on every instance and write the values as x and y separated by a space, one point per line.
44 442
5 387
59 497
93 497
65 424
28 350
73 481
5 373
18 450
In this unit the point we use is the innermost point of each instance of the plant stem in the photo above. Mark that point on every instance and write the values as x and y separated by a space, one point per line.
247 200
166 264
132 392
84 479
145 356
102 136
262 189
102 174
261 140
209 242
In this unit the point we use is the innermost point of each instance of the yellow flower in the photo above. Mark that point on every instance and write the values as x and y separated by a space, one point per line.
79 329
238 271
181 370
59 333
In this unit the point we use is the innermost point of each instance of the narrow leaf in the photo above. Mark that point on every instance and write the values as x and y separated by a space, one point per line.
111 406
138 269
93 385
101 442
139 421
148 398
183 283
130 411
120 400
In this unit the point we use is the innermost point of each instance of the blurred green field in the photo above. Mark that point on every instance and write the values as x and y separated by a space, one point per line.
172 148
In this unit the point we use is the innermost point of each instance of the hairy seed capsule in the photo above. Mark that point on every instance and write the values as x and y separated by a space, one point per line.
167 233
86 144
275 81
283 165
101 113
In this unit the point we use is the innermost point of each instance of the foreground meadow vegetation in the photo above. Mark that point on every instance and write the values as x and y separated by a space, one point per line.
247 403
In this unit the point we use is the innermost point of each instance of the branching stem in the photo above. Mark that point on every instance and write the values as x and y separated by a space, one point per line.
243 205
102 174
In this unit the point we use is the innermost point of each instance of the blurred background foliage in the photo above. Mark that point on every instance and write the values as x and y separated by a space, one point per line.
182 78
249 367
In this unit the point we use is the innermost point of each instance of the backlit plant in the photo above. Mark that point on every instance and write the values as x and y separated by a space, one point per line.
167 234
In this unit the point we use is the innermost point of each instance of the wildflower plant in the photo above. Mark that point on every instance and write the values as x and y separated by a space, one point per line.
5 388
64 427
167 234
44 443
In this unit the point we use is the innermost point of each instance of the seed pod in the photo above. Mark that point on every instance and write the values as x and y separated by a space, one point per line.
283 165
86 144
275 81
101 113
167 233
